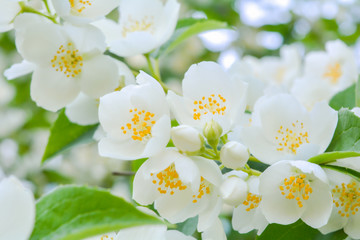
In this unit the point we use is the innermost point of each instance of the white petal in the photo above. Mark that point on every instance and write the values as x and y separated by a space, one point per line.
209 170
52 90
323 123
176 235
19 69
17 207
336 222
169 20
188 171
318 206
214 232
208 217
99 76
352 227
123 150
152 232
83 110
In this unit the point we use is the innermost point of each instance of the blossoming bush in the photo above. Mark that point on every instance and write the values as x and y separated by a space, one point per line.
268 147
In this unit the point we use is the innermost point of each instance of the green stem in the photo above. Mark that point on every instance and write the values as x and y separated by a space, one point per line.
251 172
224 139
254 159
47 6
155 72
28 9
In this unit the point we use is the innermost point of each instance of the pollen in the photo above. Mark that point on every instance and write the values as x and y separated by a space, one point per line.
106 237
212 105
297 188
79 6
204 189
347 198
290 138
67 60
252 201
146 24
168 181
333 73
140 125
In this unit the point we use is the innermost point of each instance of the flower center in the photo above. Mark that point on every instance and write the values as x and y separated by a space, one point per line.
210 105
104 237
146 24
140 126
333 72
347 197
291 138
252 201
168 181
67 60
79 5
296 187
204 188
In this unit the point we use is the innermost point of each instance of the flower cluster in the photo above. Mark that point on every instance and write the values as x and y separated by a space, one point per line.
199 147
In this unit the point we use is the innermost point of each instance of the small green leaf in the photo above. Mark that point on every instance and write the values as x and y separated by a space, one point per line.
347 133
344 99
357 93
345 170
65 134
187 28
329 157
297 231
79 212
188 227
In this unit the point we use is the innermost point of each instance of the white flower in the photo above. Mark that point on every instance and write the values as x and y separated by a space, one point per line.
234 189
68 61
326 73
248 215
136 120
9 9
17 207
181 187
84 109
83 11
346 205
209 93
186 138
295 189
283 129
234 155
143 26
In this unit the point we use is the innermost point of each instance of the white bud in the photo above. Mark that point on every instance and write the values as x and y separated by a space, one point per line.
212 131
234 155
234 190
187 139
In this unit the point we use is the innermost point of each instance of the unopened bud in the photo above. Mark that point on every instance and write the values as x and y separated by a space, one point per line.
212 131
187 139
234 190
234 155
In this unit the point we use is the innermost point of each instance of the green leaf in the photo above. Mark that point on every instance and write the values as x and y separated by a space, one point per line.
187 28
329 157
344 170
65 134
297 231
344 99
347 133
79 212
188 227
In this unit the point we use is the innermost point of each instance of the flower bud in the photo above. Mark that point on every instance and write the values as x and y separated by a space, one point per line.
212 131
234 155
187 139
234 190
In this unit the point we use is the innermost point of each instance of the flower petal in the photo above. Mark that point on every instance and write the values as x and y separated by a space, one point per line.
83 110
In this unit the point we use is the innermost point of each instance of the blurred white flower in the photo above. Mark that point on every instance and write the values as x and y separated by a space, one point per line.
84 11
143 26
326 73
17 207
295 189
9 9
